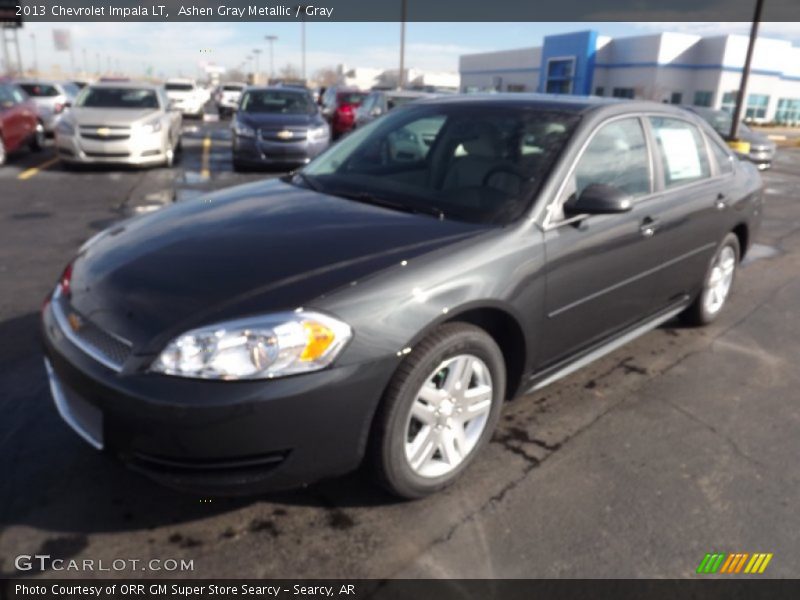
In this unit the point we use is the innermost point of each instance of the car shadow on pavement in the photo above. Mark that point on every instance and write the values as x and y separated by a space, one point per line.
54 481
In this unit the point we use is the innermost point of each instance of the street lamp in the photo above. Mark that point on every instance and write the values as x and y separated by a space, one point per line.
35 58
256 78
402 75
271 39
302 8
737 112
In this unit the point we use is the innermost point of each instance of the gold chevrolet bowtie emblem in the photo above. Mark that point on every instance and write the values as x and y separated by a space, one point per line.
75 322
285 134
104 131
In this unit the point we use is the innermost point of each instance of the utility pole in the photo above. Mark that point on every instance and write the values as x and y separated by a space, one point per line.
256 78
271 39
35 54
99 66
741 96
402 74
85 63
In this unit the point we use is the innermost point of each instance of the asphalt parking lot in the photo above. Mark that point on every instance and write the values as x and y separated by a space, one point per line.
679 444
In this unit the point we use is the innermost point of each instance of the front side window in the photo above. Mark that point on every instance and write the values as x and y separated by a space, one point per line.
103 97
473 163
682 151
617 156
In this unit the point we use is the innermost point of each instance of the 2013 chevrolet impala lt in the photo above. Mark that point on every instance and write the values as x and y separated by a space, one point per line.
383 302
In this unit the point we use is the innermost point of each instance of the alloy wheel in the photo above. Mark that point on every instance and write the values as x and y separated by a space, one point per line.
720 280
448 416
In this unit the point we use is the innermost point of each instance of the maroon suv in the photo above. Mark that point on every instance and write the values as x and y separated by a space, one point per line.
339 108
19 122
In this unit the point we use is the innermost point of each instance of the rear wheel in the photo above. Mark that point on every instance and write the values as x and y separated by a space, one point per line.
717 283
439 410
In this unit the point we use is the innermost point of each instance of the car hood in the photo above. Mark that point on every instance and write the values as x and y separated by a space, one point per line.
107 117
279 120
757 141
253 249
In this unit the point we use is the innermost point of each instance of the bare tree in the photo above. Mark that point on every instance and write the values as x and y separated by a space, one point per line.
289 72
326 76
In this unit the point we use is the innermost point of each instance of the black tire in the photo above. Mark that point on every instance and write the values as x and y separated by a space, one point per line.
697 313
239 167
387 444
38 140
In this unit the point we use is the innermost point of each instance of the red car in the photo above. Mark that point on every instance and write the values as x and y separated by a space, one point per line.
19 123
339 107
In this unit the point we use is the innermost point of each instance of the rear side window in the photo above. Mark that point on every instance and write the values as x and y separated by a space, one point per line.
39 90
682 151
722 156
617 156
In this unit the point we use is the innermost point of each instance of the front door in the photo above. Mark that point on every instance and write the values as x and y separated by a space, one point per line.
598 266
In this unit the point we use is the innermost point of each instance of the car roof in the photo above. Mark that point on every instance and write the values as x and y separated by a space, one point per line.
139 85
560 102
277 88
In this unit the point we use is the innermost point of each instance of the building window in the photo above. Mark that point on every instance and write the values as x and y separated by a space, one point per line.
729 101
756 106
515 87
676 98
788 112
623 93
599 91
560 72
703 98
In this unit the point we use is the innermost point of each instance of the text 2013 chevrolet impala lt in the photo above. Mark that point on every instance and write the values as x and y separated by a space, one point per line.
384 301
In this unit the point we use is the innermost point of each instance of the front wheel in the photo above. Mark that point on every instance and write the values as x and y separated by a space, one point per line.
439 410
717 283
3 154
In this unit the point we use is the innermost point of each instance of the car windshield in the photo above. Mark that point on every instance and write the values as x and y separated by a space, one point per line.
475 163
103 97
396 101
232 88
39 90
277 101
178 87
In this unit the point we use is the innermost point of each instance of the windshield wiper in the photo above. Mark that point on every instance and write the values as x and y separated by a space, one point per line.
368 198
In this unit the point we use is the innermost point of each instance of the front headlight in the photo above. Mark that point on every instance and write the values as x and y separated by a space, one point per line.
243 130
65 127
152 126
319 133
256 348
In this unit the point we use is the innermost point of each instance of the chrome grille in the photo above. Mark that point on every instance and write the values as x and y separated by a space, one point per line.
105 138
281 134
105 347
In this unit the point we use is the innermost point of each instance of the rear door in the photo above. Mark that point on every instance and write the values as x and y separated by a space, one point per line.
598 266
690 219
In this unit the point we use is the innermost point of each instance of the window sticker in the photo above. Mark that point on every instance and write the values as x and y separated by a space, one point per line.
680 150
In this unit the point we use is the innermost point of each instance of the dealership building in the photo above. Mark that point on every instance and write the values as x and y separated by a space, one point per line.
676 68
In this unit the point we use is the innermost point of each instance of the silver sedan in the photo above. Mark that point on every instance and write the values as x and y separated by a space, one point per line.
124 123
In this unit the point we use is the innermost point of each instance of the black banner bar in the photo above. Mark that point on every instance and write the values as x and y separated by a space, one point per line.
733 588
391 10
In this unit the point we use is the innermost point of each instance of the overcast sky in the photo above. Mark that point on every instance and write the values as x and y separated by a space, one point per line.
172 49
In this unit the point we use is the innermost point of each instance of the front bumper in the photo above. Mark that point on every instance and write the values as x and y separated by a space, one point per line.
257 151
147 149
214 436
761 158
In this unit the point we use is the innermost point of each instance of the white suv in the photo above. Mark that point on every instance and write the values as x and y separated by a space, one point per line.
229 96
186 96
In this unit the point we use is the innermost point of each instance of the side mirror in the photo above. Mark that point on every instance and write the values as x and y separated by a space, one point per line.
599 199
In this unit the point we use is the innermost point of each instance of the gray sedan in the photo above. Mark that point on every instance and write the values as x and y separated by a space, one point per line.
128 123
762 149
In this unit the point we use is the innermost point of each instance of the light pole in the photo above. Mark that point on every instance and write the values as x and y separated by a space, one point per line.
271 39
35 57
256 78
302 8
402 75
85 63
740 97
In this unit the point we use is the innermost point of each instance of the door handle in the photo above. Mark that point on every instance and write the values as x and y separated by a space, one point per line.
720 203
648 227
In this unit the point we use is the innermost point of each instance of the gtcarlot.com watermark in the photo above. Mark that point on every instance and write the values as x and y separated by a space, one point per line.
44 562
